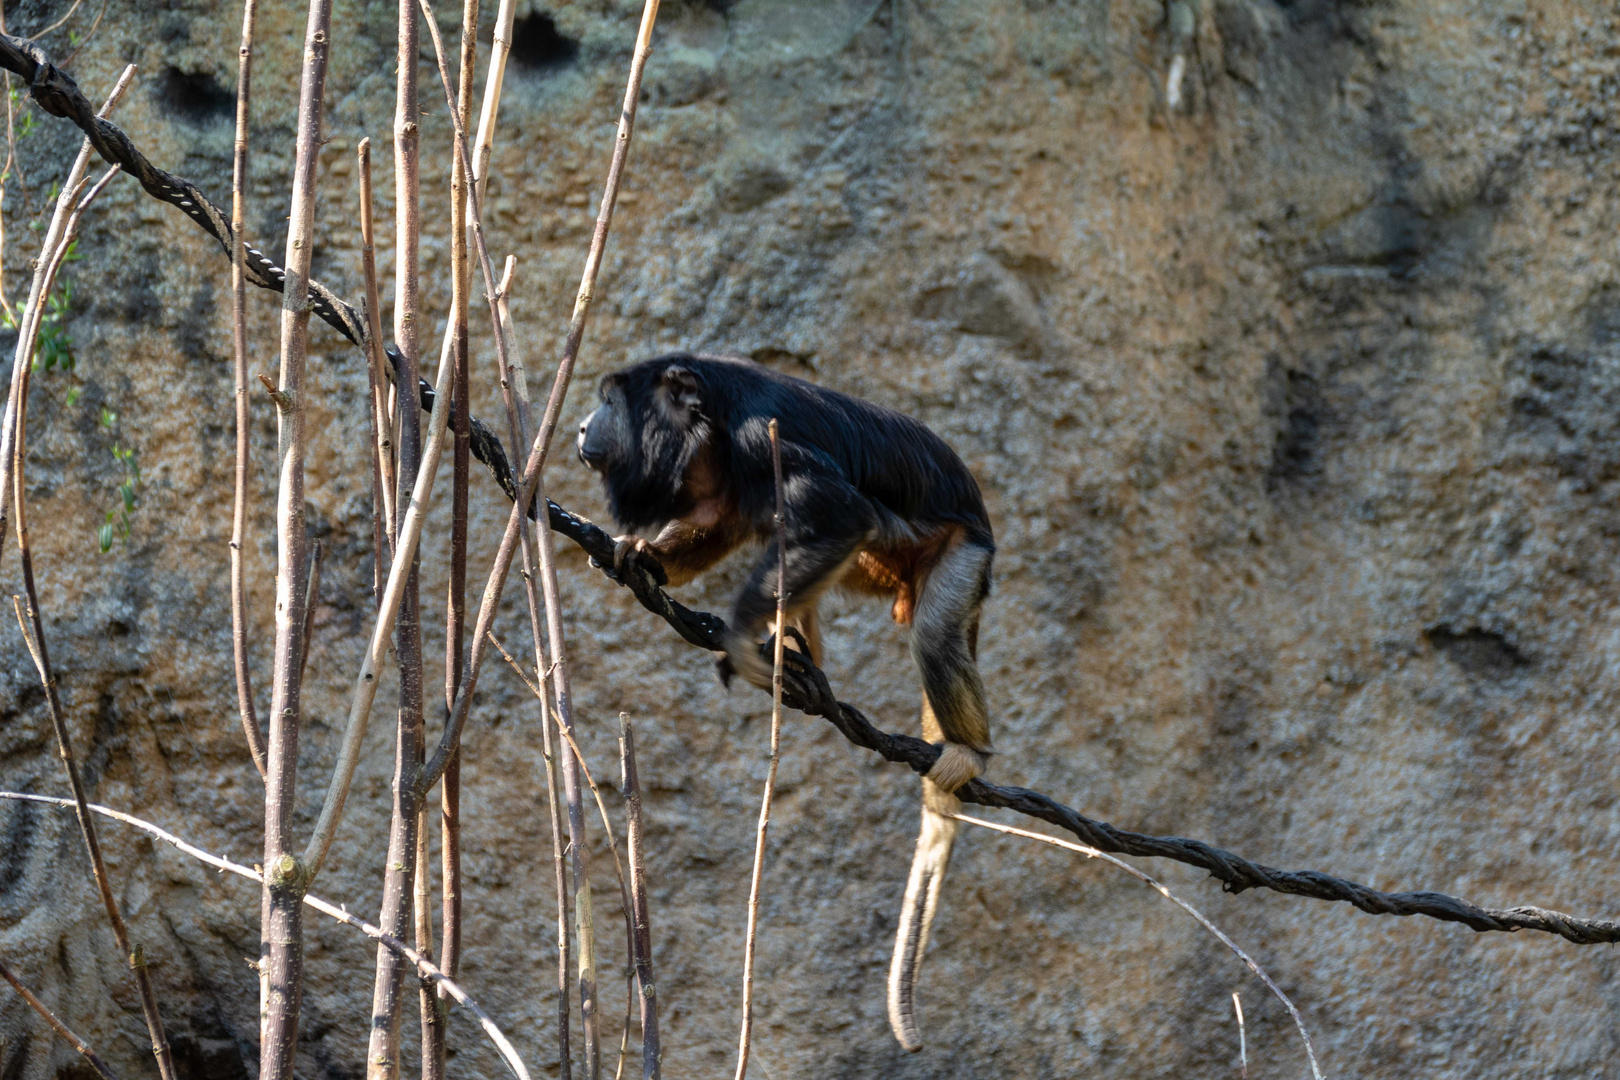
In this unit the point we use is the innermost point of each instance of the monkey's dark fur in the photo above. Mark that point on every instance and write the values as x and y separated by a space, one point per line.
874 502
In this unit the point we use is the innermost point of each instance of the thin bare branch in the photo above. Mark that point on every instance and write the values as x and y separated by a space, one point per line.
70 209
244 434
493 80
89 1055
425 967
281 945
515 391
57 25
415 505
651 1050
22 363
312 595
382 428
1243 1038
433 1017
770 769
399 868
601 807
383 1051
1249 961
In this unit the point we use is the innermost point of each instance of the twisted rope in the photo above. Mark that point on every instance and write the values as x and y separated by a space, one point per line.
56 93
806 689
805 686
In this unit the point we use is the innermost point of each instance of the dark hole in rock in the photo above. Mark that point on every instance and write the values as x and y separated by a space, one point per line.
195 97
1297 399
539 47
1478 652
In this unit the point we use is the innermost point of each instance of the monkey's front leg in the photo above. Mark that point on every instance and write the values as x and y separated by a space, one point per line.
827 522
681 551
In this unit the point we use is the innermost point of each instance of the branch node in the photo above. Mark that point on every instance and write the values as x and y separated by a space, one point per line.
282 399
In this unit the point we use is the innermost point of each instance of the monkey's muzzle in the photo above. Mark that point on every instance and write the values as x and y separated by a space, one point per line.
591 451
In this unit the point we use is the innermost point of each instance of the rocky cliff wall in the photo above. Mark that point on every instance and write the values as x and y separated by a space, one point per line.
1294 407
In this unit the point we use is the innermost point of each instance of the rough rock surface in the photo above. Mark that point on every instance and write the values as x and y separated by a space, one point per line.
1295 410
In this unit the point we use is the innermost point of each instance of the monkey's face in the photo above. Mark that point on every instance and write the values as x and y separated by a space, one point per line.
605 439
642 439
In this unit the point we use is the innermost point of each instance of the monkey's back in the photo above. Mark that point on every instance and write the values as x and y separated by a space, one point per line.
911 474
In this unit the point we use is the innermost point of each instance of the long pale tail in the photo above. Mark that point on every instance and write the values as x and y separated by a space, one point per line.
928 866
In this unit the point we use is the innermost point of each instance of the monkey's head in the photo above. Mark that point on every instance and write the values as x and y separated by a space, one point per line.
642 439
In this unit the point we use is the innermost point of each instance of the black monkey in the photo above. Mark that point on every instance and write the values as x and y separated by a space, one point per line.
874 502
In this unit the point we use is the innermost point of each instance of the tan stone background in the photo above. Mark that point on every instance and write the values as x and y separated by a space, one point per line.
1296 413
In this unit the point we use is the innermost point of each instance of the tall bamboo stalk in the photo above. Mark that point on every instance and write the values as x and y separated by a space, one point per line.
434 1018
530 483
548 570
513 375
770 769
651 1052
281 935
434 1003
244 432
382 1055
382 428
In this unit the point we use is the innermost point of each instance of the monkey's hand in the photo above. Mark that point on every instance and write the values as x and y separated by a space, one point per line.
632 554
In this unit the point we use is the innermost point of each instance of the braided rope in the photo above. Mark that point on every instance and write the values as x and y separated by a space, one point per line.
806 687
56 93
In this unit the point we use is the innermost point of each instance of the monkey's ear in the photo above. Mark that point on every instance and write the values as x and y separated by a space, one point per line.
682 387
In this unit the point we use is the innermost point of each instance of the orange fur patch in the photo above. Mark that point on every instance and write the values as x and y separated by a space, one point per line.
898 571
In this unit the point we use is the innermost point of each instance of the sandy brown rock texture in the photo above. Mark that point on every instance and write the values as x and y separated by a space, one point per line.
1295 408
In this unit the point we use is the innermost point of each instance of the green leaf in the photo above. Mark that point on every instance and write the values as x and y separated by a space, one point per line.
105 534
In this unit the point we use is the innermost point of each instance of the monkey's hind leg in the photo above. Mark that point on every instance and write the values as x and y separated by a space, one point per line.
945 646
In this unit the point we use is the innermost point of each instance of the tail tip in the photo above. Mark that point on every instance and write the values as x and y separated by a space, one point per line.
905 1032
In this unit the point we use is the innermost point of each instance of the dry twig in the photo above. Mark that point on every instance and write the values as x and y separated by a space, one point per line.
51 248
433 1015
651 1051
1092 853
59 240
425 967
1243 1037
382 1054
89 1055
57 25
382 427
770 769
514 385
244 434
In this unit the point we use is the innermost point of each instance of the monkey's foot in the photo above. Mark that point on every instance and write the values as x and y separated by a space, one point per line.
757 665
